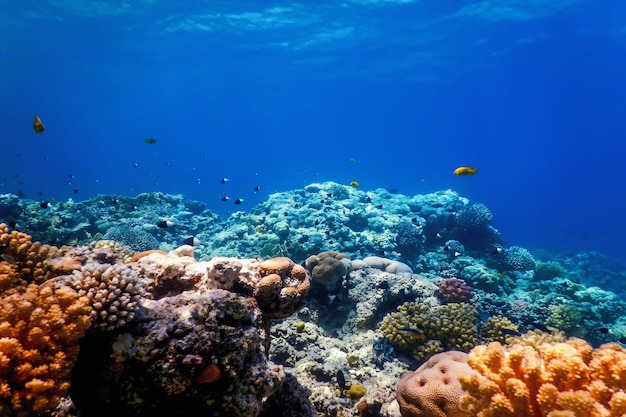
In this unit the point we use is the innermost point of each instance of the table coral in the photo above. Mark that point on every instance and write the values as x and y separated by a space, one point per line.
553 379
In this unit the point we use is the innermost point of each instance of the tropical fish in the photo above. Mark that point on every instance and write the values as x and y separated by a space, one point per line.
465 171
164 224
239 201
225 198
8 258
354 184
38 127
192 241
150 141
510 332
224 180
416 334
341 380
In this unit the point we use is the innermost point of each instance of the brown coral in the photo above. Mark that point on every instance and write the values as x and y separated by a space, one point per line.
328 269
433 390
282 289
553 379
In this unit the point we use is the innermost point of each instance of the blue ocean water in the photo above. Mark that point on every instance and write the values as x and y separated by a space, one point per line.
277 95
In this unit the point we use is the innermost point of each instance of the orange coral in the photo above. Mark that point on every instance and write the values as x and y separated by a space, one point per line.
553 380
39 332
40 326
30 256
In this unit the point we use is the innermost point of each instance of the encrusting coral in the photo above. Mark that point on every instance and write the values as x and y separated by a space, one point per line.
568 379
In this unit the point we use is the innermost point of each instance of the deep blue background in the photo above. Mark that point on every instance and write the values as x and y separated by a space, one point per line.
282 94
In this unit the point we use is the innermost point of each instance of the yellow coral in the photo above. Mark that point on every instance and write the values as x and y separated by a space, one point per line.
450 326
551 379
492 330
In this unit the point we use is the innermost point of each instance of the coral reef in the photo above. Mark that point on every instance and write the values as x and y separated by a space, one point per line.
553 379
433 389
193 352
113 292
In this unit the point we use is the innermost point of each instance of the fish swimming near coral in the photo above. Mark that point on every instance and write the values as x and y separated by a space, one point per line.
341 380
354 184
465 171
415 334
38 126
510 332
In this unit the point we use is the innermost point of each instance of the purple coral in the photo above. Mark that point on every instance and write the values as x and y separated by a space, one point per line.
454 290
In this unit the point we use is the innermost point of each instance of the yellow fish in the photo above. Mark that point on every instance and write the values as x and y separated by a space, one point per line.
465 171
38 127
354 184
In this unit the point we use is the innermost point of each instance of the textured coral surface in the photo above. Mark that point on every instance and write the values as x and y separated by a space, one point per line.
554 380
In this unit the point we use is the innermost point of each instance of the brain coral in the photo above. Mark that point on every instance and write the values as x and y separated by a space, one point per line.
568 379
433 390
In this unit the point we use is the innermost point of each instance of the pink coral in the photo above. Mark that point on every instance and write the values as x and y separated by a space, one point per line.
454 290
433 390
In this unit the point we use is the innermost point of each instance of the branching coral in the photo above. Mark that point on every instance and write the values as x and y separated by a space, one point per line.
40 326
454 290
113 292
29 256
554 380
39 332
